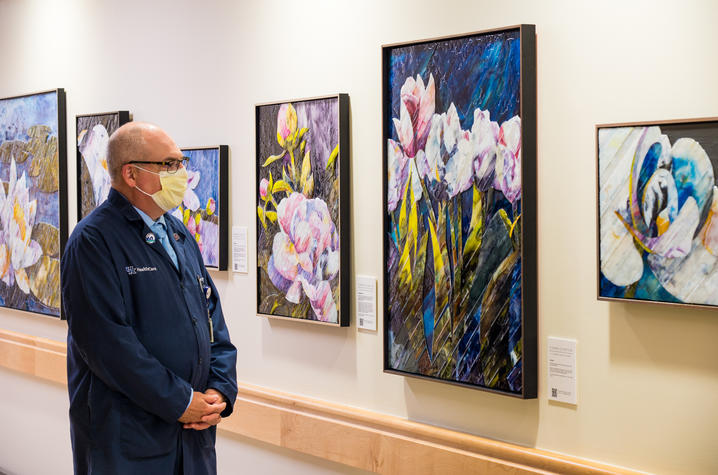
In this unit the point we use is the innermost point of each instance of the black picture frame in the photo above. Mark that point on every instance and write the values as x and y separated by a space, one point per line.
123 117
529 311
223 186
53 260
344 225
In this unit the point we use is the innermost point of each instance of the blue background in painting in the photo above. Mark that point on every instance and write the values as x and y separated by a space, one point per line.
472 72
207 162
16 116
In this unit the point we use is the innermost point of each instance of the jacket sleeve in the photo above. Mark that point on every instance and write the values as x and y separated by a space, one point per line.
223 361
93 303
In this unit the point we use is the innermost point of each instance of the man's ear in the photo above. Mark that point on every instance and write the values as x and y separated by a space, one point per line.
129 175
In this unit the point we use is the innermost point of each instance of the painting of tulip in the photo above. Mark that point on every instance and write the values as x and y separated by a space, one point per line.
460 210
93 179
657 201
204 207
302 209
33 210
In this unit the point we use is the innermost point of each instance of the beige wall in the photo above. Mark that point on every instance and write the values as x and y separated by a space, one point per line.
647 374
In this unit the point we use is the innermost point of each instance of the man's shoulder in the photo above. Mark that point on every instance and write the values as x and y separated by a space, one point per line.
103 219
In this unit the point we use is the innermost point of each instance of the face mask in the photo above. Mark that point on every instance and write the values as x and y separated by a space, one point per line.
173 189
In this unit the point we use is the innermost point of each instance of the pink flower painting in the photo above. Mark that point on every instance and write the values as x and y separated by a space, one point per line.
298 214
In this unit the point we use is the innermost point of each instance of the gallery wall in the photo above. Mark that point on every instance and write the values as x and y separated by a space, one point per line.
647 374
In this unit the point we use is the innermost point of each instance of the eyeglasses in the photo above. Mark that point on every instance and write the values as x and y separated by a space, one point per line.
171 166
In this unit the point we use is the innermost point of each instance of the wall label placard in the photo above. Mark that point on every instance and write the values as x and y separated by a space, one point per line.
366 302
239 249
562 370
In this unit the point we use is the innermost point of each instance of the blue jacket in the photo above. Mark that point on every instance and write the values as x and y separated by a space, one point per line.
138 339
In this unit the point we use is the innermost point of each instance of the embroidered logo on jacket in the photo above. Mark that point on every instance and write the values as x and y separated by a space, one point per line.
132 270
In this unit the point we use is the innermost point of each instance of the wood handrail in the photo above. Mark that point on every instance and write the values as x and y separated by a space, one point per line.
357 437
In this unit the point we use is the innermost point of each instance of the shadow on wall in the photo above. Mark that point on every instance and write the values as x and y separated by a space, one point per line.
473 411
665 336
331 349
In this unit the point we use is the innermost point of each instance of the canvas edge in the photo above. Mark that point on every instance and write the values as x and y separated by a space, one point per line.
36 93
224 207
616 125
340 320
524 31
385 99
454 36
345 228
62 184
529 196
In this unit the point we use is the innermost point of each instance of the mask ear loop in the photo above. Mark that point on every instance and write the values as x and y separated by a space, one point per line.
148 171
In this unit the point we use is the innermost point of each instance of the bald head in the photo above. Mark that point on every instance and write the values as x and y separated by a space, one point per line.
133 141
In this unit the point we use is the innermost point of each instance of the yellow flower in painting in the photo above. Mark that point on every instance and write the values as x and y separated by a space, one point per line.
17 215
211 206
185 216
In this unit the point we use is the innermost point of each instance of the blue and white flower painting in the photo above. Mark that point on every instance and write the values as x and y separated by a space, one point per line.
657 203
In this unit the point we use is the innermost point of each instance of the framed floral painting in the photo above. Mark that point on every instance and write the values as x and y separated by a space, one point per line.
204 209
459 122
33 200
93 178
302 179
657 206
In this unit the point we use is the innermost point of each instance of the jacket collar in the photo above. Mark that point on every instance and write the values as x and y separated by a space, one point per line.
119 201
125 208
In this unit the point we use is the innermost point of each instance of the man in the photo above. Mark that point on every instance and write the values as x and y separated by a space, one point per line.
151 370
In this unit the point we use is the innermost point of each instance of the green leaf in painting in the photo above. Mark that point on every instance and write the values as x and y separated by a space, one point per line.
285 176
413 225
473 241
332 157
272 159
306 169
506 220
294 167
281 185
260 213
308 189
405 264
403 212
272 216
301 133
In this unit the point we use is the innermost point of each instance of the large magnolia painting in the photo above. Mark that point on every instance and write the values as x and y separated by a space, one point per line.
657 204
32 200
93 177
302 209
459 228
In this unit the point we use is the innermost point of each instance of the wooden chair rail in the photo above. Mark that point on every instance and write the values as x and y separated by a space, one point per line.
355 437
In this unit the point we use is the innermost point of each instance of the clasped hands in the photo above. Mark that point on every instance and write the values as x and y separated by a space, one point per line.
204 410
